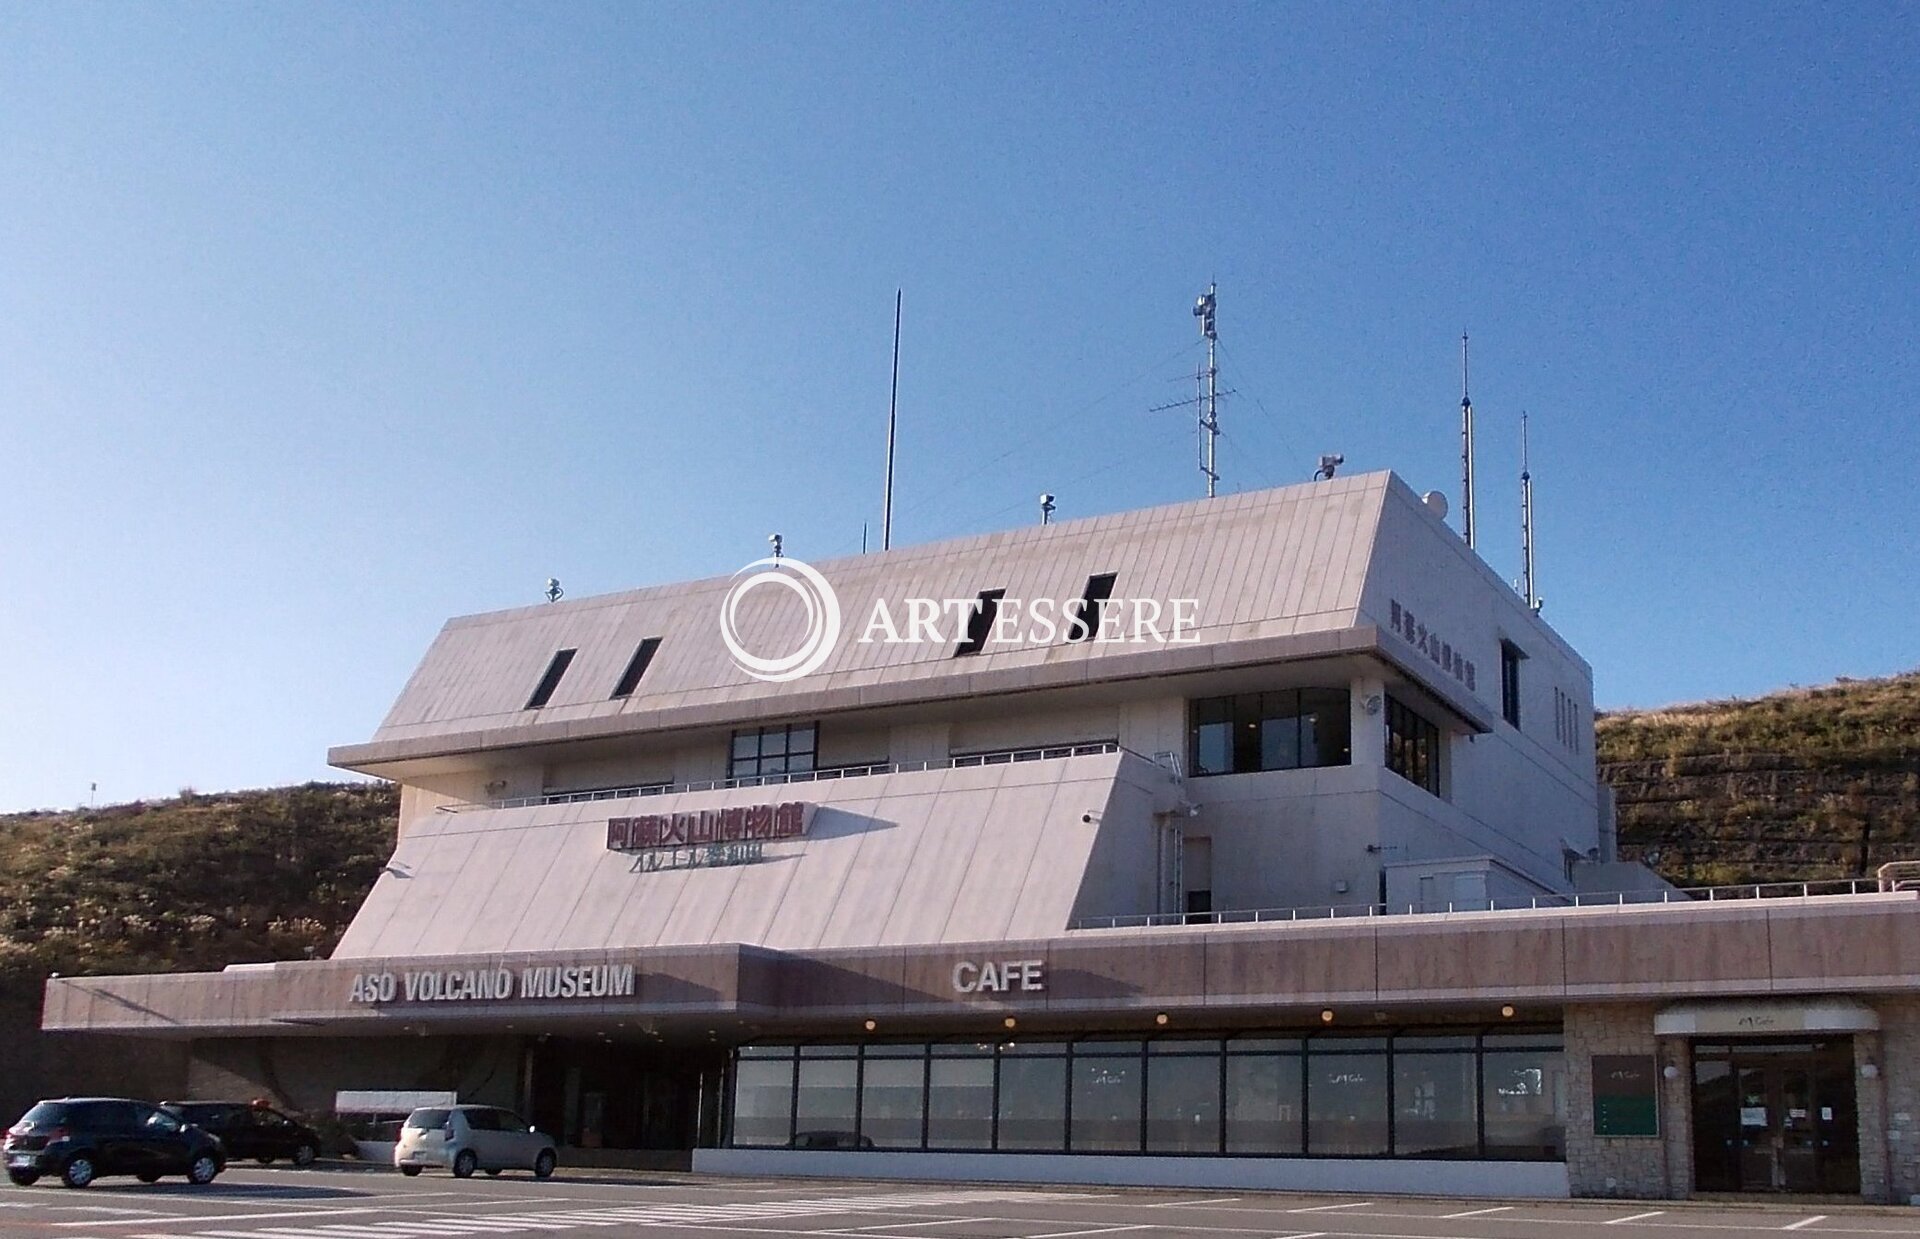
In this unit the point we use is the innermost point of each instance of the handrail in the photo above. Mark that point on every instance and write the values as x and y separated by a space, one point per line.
1606 899
998 757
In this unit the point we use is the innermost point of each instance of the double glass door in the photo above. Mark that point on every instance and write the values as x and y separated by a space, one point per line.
1776 1117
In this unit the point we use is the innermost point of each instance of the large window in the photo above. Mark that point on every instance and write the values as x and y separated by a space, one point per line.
786 749
1498 1093
1286 730
1413 747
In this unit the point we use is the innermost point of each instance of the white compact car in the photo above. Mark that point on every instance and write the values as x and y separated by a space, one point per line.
464 1139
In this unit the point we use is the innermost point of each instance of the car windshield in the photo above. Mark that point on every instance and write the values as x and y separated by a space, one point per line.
427 1120
46 1114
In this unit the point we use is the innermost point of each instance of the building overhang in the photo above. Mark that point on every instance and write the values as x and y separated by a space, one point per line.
1826 951
394 758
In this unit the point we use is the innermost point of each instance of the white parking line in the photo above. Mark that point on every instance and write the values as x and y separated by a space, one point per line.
1478 1212
1638 1217
1098 1230
1803 1222
1182 1204
1357 1204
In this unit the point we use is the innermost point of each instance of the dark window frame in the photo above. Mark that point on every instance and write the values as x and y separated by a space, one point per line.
1245 713
1414 747
1085 622
636 668
550 678
986 610
1511 656
761 758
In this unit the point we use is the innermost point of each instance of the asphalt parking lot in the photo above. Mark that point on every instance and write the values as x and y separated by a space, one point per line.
360 1204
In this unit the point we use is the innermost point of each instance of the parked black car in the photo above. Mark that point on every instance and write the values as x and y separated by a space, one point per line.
82 1138
255 1131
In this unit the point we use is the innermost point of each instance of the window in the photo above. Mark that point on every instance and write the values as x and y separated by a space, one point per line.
763 1100
1183 1097
543 692
1462 1093
1434 1093
960 1097
785 749
1085 625
1413 747
636 667
1107 1082
980 623
1287 730
1263 1096
892 1095
1033 1098
824 1106
1510 659
1523 1096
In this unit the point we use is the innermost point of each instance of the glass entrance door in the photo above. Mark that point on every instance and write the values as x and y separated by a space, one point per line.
1775 1117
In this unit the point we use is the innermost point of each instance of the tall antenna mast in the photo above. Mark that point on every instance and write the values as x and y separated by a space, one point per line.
1209 394
1526 523
1466 448
893 414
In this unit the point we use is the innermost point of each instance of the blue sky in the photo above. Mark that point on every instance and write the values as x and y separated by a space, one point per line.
320 324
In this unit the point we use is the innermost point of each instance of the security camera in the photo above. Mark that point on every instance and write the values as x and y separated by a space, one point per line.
1086 817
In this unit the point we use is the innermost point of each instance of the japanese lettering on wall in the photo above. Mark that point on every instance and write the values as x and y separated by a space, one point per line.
1429 642
709 827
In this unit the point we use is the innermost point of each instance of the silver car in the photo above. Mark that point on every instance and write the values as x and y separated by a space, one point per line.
464 1139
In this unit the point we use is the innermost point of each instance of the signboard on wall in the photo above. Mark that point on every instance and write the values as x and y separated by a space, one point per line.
709 827
1626 1095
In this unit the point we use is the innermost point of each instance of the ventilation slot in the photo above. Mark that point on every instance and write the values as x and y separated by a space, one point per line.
980 623
551 680
1086 621
630 678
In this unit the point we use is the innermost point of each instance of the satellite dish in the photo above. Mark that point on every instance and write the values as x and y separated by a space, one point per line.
1436 503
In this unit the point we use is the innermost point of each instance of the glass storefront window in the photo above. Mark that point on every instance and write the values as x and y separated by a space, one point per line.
1500 1095
763 1101
1435 1111
1524 1101
824 1114
960 1099
1106 1103
1346 1104
1263 1104
891 1094
1033 1103
1183 1104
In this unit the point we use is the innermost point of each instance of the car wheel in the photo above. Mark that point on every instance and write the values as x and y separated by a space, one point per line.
202 1169
465 1164
78 1172
543 1164
147 1176
304 1155
24 1178
411 1172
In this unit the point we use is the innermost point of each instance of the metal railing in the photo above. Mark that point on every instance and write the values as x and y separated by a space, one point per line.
1535 903
998 757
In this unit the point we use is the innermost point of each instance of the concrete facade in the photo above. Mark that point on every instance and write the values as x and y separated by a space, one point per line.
1356 806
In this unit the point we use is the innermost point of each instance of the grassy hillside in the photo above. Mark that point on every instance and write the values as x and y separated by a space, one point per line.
1810 783
194 882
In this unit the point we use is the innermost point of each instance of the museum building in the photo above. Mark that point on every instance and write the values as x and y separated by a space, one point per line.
1250 842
